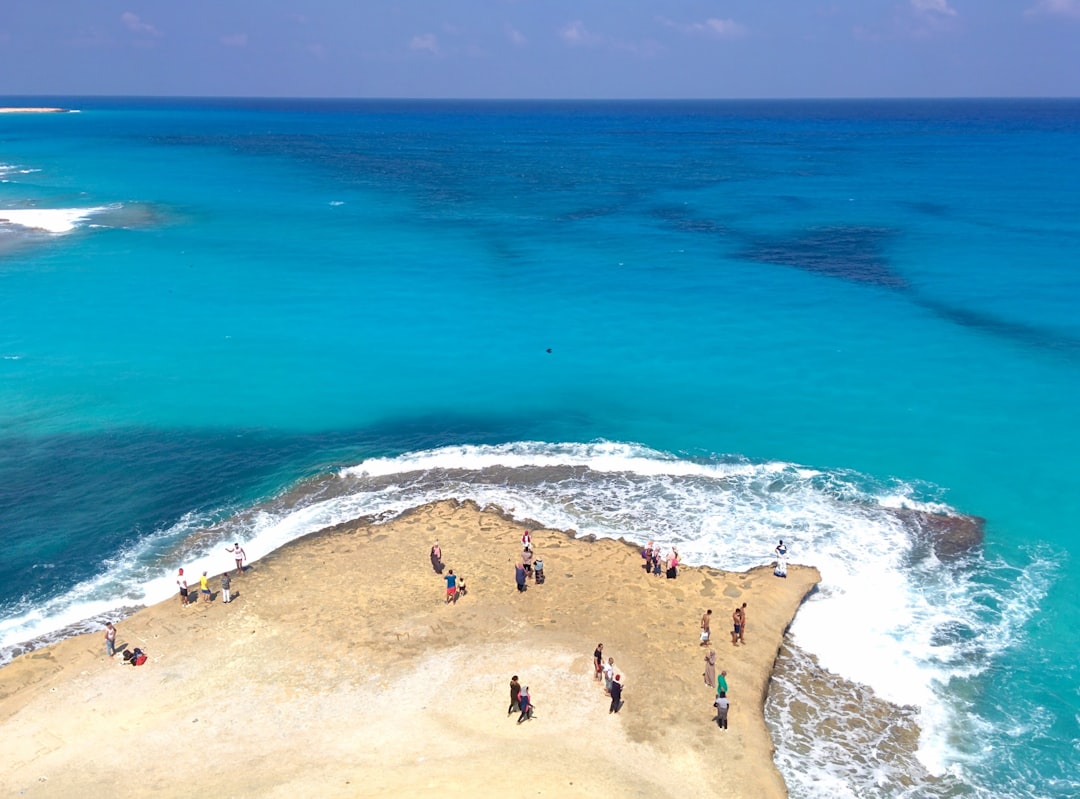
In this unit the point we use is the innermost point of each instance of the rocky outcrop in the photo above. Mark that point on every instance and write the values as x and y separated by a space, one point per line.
949 536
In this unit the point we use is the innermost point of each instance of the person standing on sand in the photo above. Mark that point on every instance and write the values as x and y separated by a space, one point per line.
736 631
609 675
673 564
515 691
721 683
598 661
519 576
204 587
705 627
781 560
226 595
710 668
436 558
722 704
110 639
742 624
526 705
451 587
526 540
239 555
182 582
616 694
527 561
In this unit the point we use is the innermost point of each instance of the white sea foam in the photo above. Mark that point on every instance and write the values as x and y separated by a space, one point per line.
50 220
886 615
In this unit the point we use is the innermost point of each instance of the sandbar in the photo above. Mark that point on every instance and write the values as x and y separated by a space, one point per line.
339 671
39 110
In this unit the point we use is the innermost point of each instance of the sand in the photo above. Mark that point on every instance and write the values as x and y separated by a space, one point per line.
21 110
338 670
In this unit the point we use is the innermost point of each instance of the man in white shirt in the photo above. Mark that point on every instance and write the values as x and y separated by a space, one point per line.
722 704
609 675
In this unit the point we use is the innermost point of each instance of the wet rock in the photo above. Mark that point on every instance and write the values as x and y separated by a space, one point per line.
949 536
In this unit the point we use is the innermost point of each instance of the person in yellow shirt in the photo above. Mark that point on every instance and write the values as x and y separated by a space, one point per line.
204 587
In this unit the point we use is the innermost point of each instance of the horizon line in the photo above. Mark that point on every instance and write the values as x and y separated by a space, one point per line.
536 99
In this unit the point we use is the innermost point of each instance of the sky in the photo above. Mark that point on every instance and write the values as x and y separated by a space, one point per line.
567 49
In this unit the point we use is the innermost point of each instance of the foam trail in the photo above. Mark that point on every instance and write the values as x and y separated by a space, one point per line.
50 220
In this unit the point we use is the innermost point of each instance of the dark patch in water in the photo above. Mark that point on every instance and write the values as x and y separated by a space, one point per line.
847 252
928 208
793 201
588 213
680 218
857 254
1022 332
950 536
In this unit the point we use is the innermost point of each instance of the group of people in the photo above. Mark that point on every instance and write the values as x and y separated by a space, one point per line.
529 566
655 561
204 581
455 585
134 657
738 626
138 657
720 700
520 701
613 680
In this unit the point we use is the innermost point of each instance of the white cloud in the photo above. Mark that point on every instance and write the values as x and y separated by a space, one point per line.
235 40
577 34
1055 8
136 25
425 42
933 7
714 27
516 36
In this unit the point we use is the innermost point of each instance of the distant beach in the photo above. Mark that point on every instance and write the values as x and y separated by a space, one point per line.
18 110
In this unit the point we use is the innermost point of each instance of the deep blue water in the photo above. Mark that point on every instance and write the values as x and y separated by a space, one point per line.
881 292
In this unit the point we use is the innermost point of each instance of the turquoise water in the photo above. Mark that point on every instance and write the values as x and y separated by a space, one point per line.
791 316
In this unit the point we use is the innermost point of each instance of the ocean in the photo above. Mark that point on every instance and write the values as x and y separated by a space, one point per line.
712 324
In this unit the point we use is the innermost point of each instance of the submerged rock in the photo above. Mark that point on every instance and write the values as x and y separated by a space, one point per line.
950 536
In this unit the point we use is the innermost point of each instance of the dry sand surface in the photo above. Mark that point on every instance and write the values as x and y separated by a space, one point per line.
338 671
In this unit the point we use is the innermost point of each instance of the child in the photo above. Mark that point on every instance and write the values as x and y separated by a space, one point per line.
526 705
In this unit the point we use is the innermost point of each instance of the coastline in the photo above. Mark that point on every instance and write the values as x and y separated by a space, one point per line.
338 665
38 110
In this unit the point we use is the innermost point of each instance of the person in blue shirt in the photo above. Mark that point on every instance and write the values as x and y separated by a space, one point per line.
451 587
